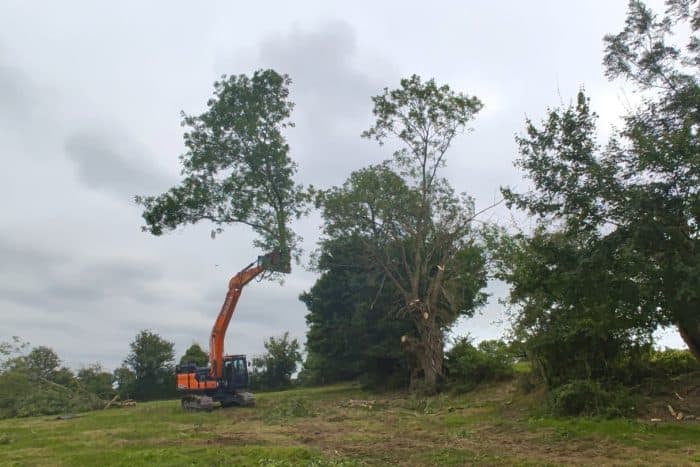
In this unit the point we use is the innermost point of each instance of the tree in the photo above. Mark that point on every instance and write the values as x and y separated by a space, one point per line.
416 230
658 154
10 350
195 354
467 365
95 379
42 362
125 380
576 312
35 383
152 361
275 368
352 332
635 204
236 168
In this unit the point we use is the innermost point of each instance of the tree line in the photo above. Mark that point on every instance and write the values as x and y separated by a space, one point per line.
34 381
404 254
613 257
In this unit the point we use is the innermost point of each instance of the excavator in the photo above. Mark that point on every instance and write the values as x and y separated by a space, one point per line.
225 379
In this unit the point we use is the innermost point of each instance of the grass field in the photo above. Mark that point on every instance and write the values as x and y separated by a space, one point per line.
322 427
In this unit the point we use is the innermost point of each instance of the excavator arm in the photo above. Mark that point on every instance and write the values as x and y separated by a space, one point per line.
271 261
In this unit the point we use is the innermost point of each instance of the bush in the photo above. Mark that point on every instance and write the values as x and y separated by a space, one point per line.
587 397
673 362
24 396
466 365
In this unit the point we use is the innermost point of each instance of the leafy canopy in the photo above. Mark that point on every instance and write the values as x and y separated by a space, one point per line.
237 167
275 368
151 360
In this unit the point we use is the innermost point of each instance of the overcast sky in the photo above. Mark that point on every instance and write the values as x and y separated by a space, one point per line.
90 95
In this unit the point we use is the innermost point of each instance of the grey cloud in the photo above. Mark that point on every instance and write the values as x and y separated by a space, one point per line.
113 163
320 62
27 109
16 94
41 278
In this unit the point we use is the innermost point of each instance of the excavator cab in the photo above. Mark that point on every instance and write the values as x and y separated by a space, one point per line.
235 372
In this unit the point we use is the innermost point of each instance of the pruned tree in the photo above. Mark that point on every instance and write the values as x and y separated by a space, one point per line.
417 231
237 168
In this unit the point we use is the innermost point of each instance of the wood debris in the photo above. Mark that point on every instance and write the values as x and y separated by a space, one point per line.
679 414
124 403
673 413
359 403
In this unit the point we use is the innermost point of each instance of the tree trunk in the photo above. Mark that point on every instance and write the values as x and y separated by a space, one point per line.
431 370
428 353
431 356
691 335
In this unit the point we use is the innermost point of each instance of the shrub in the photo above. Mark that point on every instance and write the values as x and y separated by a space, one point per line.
466 365
23 396
587 397
673 362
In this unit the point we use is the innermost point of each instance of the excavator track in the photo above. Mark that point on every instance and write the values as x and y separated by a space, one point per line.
245 399
197 403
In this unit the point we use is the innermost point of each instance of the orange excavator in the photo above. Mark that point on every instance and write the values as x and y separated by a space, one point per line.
225 380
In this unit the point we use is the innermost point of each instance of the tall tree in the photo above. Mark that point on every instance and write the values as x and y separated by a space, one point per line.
237 167
658 155
637 202
416 229
152 361
352 330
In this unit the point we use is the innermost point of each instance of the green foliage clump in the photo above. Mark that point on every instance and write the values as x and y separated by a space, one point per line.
467 365
37 384
590 398
275 368
195 354
352 333
97 381
673 362
148 371
236 168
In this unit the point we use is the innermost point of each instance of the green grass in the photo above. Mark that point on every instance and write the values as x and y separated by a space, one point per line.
319 427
